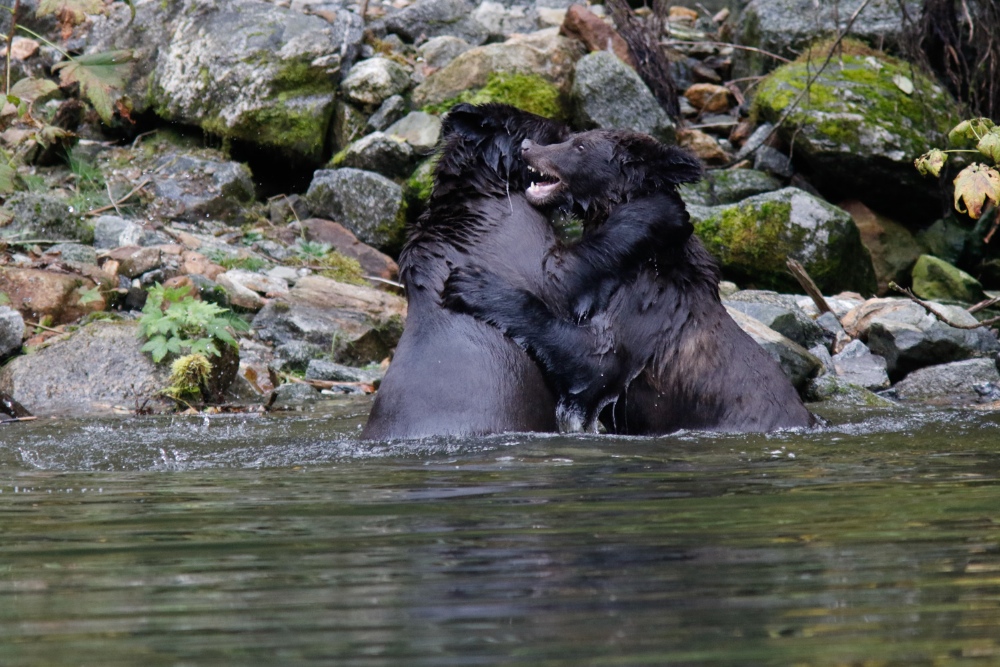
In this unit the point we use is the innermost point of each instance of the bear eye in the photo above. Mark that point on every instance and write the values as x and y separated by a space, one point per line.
581 147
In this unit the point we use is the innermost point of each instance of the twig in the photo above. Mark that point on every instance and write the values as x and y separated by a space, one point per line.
17 419
668 42
996 223
43 327
138 137
942 318
808 285
112 198
114 204
983 305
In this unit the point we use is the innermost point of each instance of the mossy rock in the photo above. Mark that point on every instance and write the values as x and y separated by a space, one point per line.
530 92
754 239
858 130
938 280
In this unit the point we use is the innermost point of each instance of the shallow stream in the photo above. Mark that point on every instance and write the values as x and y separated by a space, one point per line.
279 539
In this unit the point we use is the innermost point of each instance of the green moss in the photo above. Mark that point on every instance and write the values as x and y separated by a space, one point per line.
419 185
530 92
188 376
336 266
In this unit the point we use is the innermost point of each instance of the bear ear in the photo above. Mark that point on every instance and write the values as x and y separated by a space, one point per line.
467 121
669 164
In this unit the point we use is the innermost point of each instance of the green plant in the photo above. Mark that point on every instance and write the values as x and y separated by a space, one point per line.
189 376
311 250
977 186
175 323
227 261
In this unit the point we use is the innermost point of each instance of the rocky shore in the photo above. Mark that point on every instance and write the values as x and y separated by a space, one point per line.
264 158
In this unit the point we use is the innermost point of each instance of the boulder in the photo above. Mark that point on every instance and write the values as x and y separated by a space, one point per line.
380 153
293 396
754 239
938 280
703 145
501 20
111 231
856 365
372 81
37 215
420 130
607 93
241 69
734 185
392 109
432 18
787 27
11 331
368 204
320 311
708 97
858 130
595 33
321 369
339 238
37 294
439 51
893 249
73 253
910 338
794 359
544 53
781 314
192 187
836 389
950 383
99 369
132 261
945 239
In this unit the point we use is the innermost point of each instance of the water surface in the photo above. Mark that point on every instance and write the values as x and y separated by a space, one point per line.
281 539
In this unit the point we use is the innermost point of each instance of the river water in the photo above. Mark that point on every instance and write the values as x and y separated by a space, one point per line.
280 539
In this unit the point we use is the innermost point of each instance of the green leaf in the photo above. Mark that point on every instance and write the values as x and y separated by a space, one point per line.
4 299
989 145
7 179
31 89
969 131
157 346
101 77
89 295
73 12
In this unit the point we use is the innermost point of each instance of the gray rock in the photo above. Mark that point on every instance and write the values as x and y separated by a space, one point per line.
754 141
432 18
607 93
74 252
242 69
420 130
439 51
293 396
794 360
99 369
502 20
836 338
295 355
785 318
774 162
348 124
368 204
948 383
910 338
11 331
823 355
391 110
321 369
733 185
110 231
787 27
37 215
857 365
835 389
380 153
195 187
754 239
944 239
371 82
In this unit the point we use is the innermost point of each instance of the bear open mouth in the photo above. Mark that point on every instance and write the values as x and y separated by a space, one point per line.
543 186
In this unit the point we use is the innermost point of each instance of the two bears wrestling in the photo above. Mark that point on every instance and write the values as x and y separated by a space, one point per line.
511 329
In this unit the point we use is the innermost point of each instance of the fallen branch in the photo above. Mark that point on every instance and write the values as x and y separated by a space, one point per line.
983 305
43 327
941 317
808 285
114 204
367 387
668 42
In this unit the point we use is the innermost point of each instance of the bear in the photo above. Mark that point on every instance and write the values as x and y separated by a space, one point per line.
452 374
652 351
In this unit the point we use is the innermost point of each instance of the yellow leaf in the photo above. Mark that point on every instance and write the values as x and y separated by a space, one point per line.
931 162
976 185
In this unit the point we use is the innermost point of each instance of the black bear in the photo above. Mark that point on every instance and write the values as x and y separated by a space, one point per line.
452 374
655 346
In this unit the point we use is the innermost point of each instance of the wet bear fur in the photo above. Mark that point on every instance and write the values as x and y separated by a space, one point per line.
655 350
452 374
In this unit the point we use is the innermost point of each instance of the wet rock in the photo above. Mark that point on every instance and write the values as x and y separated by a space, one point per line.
544 53
368 204
99 369
373 262
857 365
11 331
787 27
391 110
320 369
893 249
836 389
938 280
858 130
195 187
37 294
607 93
36 215
948 383
420 130
840 304
910 338
371 82
754 238
772 161
293 396
782 315
380 153
295 355
586 26
319 311
432 18
240 69
794 360
439 51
